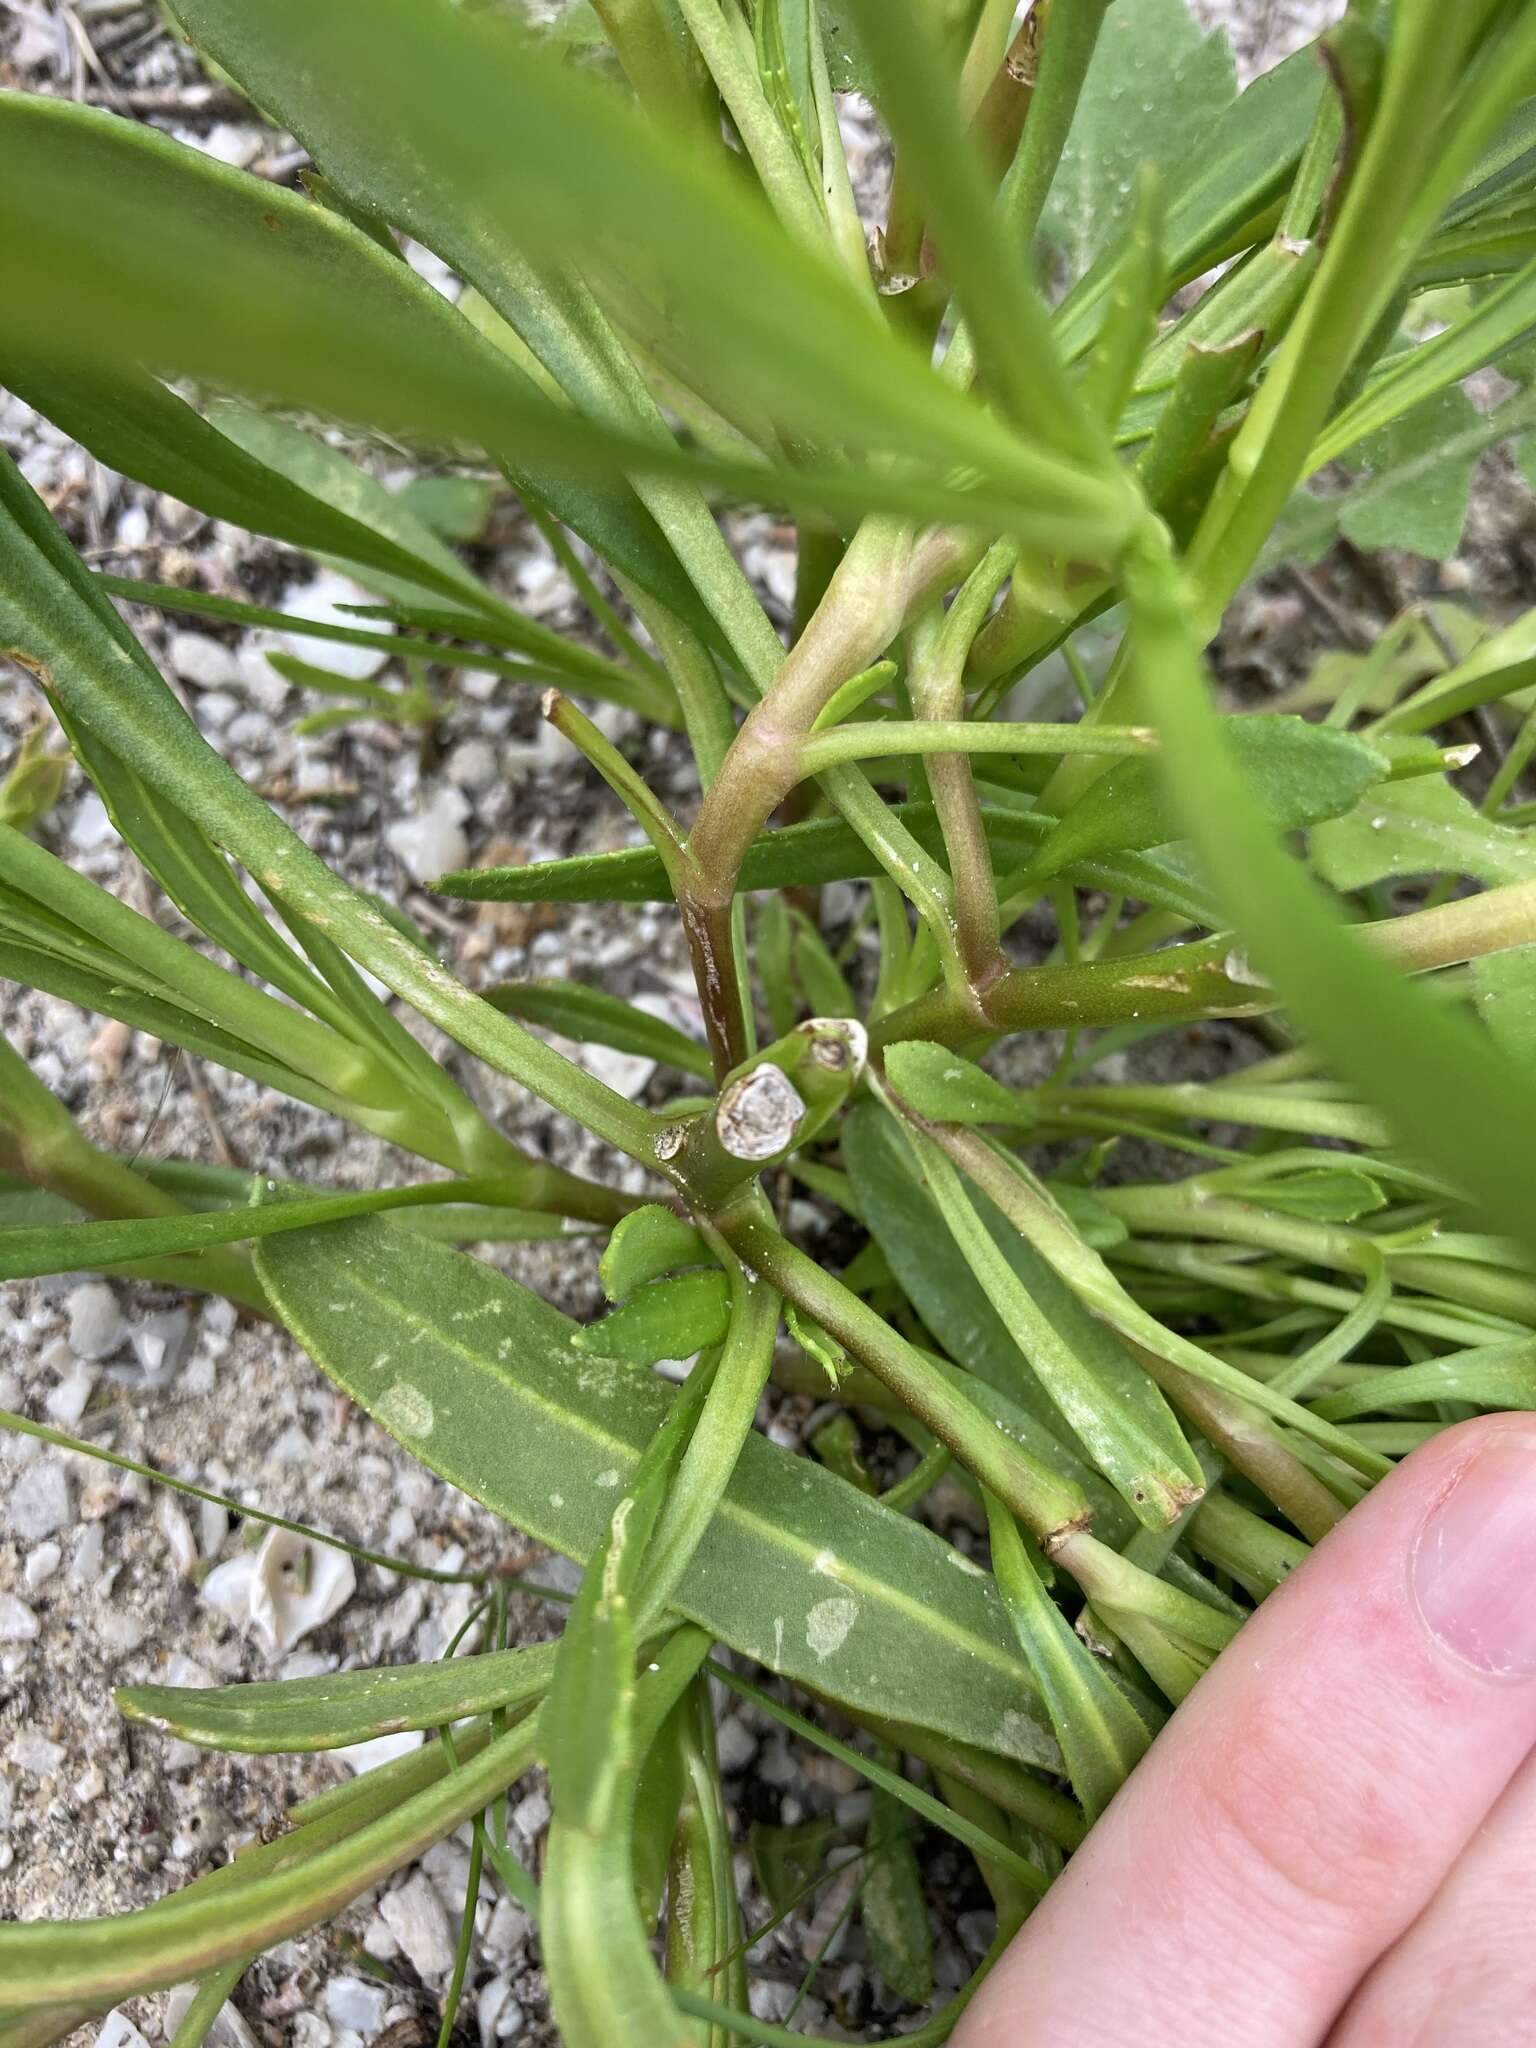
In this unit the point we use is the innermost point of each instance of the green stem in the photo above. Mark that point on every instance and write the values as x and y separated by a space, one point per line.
726 44
724 1424
1048 1505
882 738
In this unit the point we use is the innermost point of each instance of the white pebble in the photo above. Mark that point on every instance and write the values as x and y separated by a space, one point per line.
18 1624
318 601
43 1560
67 1402
433 841
382 1749
96 1325
160 1343
352 2002
177 1531
473 765
414 1915
625 1072
736 1744
89 1554
89 824
118 2031
32 1752
530 1816
39 1504
201 660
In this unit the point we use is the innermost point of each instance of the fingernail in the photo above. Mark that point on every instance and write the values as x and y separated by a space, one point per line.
1474 1568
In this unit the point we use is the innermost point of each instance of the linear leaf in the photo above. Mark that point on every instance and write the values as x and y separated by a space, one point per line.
312 314
1468 1110
905 1223
294 1714
1102 1736
78 1247
821 850
130 421
593 1017
496 155
1489 1376
798 1570
274 1891
1115 1411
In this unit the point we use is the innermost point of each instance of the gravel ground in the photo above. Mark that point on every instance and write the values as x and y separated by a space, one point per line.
104 1580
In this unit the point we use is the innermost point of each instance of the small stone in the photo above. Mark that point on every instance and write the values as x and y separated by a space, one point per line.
160 1344
117 1630
736 1744
976 1930
416 1918
68 1401
118 2031
433 841
43 1560
292 1447
378 1941
212 1527
497 2013
472 765
508 1931
317 601
89 824
201 660
39 1505
89 1785
177 1531
18 1624
381 1749
530 1816
352 2002
228 2029
89 1555
96 1325
625 1072
32 1752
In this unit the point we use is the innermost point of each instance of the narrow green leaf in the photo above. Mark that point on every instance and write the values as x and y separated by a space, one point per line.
892 1907
1301 773
905 1222
1466 1108
134 424
84 1247
296 1714
274 1891
797 1570
1490 1376
314 314
594 1017
1102 1736
817 851
533 165
1113 1408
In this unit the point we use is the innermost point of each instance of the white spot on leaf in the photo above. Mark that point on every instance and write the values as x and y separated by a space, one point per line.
405 1410
827 1625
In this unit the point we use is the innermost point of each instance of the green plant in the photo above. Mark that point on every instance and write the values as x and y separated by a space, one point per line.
1157 1394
